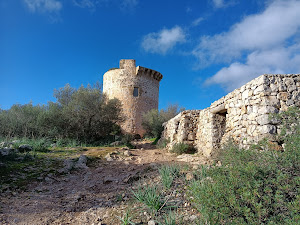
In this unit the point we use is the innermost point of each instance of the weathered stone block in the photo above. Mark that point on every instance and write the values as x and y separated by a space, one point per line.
282 96
267 110
245 94
268 129
292 88
270 100
263 119
191 136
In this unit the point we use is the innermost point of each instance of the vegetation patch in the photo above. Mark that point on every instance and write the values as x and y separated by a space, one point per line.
168 173
253 186
150 196
153 120
82 115
182 148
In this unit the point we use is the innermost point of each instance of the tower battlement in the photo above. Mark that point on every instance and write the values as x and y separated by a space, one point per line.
149 72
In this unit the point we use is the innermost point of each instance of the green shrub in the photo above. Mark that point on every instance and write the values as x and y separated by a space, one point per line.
162 143
181 148
84 114
253 186
126 140
153 120
39 145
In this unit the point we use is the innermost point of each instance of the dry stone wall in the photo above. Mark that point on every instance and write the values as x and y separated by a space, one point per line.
242 114
137 88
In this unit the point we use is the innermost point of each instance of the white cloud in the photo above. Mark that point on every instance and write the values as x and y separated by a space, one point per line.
49 6
84 3
188 9
276 61
164 40
268 40
129 4
218 3
223 3
197 21
125 5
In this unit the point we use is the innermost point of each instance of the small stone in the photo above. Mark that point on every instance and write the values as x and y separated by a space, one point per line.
147 216
151 222
189 176
81 163
6 151
109 159
195 167
193 217
25 148
127 153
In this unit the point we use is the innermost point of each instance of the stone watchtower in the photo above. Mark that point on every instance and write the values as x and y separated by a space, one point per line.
137 88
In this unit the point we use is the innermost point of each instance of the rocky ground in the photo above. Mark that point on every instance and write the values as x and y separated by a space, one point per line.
100 191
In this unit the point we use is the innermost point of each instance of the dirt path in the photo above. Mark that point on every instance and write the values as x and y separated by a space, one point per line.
85 196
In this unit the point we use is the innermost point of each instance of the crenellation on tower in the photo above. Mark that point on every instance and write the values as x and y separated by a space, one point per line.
149 72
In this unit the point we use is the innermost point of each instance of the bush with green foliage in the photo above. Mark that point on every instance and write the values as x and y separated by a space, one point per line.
253 186
84 114
162 142
181 148
152 121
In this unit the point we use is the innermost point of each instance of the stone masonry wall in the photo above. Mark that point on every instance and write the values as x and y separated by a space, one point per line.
242 114
120 84
182 128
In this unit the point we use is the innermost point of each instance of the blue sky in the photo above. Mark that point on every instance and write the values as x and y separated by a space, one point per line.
203 48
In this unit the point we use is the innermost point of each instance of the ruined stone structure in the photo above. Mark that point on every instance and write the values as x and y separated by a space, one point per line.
242 115
137 88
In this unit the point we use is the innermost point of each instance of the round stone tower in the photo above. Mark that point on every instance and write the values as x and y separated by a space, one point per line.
137 88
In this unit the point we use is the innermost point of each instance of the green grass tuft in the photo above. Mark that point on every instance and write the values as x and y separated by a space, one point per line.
170 218
126 219
167 174
150 196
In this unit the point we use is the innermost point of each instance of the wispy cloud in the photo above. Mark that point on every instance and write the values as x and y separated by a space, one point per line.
124 5
91 4
164 40
44 6
188 9
223 3
197 21
129 4
218 3
262 43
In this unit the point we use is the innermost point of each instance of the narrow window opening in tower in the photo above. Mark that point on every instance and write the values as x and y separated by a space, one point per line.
135 92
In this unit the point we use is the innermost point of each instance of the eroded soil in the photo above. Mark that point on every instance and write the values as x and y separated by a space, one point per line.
97 194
